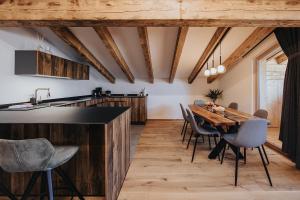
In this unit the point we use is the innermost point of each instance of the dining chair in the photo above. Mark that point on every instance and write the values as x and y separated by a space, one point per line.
233 105
198 131
261 113
41 158
199 102
252 134
186 122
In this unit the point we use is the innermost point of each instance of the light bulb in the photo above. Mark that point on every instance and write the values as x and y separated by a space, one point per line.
213 71
221 69
207 72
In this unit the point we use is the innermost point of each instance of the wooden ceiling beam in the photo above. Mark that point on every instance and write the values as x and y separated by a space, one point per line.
66 35
110 44
281 58
143 35
151 13
210 48
182 32
255 38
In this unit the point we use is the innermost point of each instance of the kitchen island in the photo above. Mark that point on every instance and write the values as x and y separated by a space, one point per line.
103 137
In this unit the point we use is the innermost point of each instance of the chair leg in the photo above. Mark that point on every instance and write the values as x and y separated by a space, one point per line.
215 139
188 144
195 145
183 127
30 185
49 184
265 153
266 169
245 155
209 142
203 139
236 165
223 154
68 181
43 188
7 192
184 132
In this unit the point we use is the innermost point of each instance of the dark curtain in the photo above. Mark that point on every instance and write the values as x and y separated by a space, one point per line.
289 40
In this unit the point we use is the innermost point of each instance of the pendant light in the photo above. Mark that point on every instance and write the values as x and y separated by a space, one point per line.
213 70
221 68
207 71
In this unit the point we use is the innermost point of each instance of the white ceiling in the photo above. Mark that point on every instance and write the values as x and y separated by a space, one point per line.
162 42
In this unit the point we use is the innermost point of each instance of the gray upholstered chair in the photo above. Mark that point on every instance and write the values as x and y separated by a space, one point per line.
198 131
261 113
252 134
41 158
199 102
186 122
233 105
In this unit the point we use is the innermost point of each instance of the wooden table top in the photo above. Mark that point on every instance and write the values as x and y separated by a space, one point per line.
229 118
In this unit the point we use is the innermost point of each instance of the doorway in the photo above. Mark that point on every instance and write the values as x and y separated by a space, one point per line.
271 79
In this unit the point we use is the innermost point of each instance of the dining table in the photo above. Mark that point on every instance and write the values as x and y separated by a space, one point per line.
226 122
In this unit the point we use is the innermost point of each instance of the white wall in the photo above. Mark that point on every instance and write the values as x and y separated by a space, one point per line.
238 83
163 100
15 88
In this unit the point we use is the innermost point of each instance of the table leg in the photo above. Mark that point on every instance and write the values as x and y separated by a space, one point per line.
221 145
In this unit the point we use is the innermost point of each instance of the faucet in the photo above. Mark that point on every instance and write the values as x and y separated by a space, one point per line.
35 100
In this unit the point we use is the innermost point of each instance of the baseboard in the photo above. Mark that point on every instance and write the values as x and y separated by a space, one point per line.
275 148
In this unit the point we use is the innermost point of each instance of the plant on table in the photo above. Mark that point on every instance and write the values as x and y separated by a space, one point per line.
214 94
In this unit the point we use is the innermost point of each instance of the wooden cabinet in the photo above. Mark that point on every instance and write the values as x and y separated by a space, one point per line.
38 63
98 168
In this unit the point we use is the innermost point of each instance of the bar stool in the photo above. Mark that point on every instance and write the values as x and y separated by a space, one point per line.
40 157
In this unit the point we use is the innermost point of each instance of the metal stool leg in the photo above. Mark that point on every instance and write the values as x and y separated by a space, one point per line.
49 184
30 185
68 181
7 192
43 188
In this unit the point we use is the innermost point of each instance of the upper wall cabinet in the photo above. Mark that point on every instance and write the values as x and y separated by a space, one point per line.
37 63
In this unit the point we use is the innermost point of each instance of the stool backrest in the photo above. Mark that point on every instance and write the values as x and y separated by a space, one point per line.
25 155
184 115
233 105
261 113
252 133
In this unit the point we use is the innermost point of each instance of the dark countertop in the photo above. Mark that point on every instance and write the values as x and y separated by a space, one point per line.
62 115
75 99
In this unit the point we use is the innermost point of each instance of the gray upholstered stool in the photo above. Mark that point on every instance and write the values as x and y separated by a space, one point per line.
40 157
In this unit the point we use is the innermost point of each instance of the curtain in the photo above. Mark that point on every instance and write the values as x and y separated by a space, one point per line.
289 40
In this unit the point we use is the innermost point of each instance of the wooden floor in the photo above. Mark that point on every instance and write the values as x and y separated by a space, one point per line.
273 137
162 169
